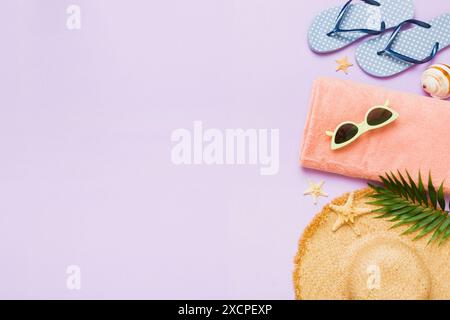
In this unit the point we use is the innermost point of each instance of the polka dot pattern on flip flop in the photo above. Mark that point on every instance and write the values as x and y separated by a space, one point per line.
360 15
416 43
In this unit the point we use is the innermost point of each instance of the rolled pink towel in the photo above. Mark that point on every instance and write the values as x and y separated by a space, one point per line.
418 140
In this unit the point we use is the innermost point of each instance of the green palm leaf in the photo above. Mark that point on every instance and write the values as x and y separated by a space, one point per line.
432 192
405 202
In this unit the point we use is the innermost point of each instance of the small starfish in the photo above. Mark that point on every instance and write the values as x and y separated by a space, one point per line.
347 214
343 65
315 190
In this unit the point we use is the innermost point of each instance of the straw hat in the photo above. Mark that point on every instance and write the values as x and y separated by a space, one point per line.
364 259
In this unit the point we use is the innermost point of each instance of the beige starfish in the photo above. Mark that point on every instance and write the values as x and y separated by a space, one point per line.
347 214
343 65
315 190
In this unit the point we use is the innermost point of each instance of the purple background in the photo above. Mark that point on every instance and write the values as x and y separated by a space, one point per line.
86 118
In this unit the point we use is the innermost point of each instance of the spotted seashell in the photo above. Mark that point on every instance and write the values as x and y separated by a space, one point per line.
436 81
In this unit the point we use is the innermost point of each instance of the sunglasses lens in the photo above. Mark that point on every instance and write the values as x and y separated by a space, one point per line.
378 116
345 133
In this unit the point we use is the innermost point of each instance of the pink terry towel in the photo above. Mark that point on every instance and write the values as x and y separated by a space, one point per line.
418 140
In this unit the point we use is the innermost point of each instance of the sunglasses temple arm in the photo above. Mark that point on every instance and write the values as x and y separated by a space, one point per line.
329 133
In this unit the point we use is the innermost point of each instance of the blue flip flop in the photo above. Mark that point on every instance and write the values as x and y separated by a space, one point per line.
391 54
339 27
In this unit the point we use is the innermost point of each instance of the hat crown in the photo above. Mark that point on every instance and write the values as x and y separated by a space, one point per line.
387 269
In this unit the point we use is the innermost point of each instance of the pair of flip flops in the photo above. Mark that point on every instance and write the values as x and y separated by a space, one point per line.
391 52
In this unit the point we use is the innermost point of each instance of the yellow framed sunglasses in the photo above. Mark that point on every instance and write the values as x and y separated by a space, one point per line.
347 132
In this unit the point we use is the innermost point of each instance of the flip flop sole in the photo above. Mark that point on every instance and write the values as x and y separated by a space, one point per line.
416 43
359 15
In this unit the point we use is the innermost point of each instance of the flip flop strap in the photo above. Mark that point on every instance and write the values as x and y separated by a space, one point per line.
388 50
337 28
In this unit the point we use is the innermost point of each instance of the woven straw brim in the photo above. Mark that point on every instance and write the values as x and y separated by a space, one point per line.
329 265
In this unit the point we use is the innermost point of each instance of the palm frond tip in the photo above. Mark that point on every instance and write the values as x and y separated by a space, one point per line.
405 202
